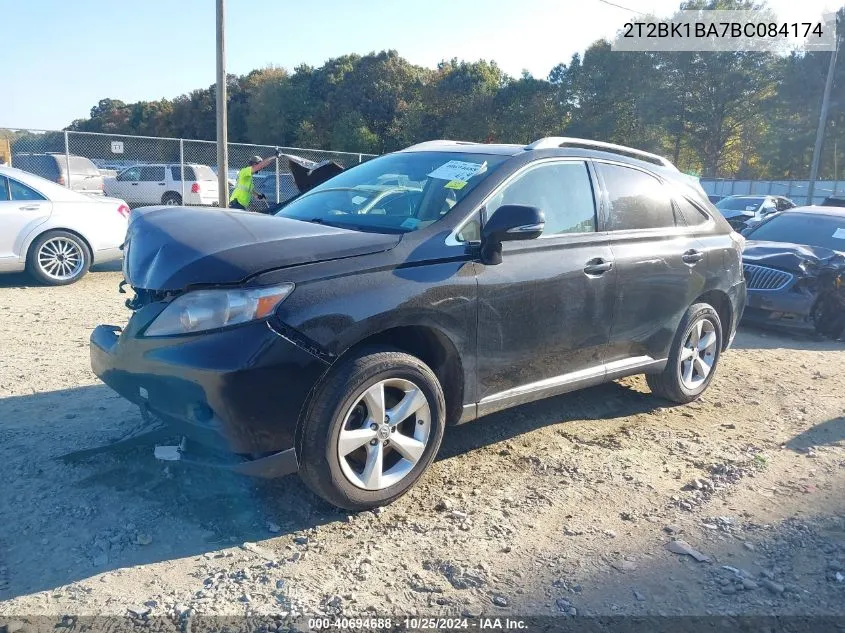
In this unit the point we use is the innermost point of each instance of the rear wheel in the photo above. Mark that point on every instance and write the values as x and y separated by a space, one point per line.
373 428
58 258
693 357
171 199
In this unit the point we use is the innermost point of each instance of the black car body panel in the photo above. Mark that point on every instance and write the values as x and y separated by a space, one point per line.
792 300
539 323
786 280
169 250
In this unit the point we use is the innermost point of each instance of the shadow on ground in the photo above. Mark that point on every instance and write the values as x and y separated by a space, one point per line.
773 337
824 434
24 280
70 521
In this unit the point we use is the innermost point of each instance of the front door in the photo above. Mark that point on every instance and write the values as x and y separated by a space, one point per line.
125 186
660 263
544 313
21 210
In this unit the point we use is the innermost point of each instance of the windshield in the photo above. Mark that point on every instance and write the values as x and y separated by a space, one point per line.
800 228
396 193
739 204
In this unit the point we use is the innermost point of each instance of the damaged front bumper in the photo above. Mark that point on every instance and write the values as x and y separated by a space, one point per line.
238 391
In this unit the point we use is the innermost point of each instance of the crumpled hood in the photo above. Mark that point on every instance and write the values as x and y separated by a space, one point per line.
169 248
785 256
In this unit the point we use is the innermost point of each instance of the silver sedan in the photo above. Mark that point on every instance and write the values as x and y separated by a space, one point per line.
54 233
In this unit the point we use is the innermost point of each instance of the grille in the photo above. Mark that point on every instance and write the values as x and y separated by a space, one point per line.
765 278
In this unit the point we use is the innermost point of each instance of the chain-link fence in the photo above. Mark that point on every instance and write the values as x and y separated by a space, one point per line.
795 190
148 170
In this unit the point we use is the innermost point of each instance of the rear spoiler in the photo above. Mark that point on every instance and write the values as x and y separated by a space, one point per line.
307 174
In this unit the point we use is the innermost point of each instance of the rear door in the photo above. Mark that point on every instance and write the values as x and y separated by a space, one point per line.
661 264
152 184
21 209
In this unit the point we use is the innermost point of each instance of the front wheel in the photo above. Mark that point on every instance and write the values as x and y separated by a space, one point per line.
373 428
693 356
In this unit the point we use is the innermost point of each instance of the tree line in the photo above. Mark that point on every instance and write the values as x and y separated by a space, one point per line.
715 114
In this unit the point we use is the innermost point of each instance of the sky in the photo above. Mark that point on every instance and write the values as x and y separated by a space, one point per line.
69 54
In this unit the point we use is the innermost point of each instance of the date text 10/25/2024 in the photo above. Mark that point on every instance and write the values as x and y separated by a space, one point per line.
418 623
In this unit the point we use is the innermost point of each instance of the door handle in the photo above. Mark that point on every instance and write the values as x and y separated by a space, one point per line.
597 267
30 207
692 256
134 184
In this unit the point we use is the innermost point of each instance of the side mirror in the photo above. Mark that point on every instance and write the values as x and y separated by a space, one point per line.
508 223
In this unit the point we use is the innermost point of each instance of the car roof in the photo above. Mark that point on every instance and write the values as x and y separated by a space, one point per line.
837 212
47 188
467 147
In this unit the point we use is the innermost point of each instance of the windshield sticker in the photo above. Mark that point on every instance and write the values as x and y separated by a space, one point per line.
456 184
458 170
358 199
410 223
750 208
839 234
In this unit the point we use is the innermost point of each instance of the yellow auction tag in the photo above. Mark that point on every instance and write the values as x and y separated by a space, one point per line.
456 184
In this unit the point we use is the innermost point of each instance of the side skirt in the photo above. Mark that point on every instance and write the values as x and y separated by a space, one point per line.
557 385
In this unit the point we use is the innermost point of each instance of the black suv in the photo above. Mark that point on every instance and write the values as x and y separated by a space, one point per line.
424 288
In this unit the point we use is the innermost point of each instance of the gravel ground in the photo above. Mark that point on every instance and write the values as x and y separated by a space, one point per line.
602 502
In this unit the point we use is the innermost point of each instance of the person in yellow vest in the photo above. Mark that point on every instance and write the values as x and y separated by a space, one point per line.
244 189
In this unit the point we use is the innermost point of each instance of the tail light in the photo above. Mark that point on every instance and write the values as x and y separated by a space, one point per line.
124 211
195 188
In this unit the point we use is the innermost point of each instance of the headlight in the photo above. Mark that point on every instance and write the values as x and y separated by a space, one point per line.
202 310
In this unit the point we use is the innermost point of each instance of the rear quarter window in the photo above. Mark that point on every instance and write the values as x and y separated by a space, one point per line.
82 165
690 214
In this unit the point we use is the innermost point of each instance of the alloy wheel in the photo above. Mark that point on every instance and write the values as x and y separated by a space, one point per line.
384 434
60 258
698 354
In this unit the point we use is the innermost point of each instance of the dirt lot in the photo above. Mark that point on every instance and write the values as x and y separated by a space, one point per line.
564 507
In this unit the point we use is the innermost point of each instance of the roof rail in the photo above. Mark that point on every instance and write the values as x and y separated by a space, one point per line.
583 143
441 142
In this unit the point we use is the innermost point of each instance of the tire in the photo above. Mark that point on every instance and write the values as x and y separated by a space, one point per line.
828 317
58 258
171 199
677 382
342 403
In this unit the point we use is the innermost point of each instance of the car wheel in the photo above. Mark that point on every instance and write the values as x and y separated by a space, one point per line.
828 317
171 199
373 428
693 357
58 258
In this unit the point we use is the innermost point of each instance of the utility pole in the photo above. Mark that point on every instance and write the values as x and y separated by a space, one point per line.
817 150
222 131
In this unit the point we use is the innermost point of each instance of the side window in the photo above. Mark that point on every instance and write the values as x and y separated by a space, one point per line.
637 200
562 190
133 174
20 191
691 215
152 173
176 172
4 189
783 204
